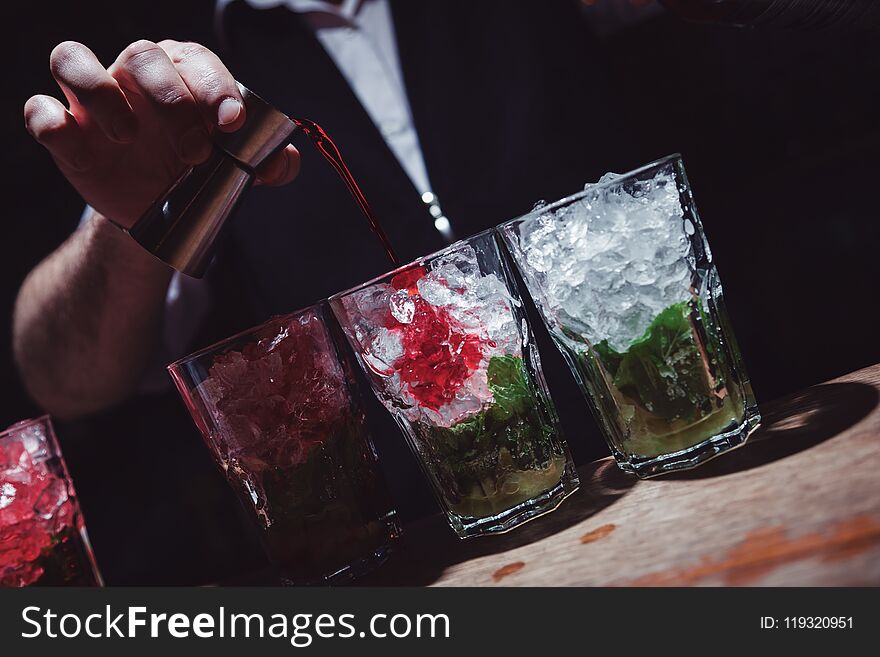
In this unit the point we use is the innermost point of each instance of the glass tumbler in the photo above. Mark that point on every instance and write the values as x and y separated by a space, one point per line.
447 349
43 540
624 280
278 408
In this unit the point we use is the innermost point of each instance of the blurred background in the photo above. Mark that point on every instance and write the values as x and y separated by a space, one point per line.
780 131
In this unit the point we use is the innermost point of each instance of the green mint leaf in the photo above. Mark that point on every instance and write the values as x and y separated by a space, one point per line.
663 369
513 427
509 386
610 358
461 439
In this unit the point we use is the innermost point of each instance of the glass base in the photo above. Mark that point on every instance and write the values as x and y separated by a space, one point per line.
686 459
502 522
349 572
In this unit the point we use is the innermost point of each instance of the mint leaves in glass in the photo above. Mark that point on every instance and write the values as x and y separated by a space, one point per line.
448 351
278 408
624 279
43 540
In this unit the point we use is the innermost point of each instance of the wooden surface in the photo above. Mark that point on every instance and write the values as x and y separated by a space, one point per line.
799 504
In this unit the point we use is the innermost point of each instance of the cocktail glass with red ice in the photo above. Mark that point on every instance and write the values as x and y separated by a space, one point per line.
279 410
448 351
43 540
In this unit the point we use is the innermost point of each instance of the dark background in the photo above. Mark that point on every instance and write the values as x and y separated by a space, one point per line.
779 132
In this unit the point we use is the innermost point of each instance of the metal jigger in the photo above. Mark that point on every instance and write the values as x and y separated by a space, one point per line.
182 226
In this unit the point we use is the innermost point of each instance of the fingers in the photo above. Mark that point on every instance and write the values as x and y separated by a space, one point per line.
280 168
55 128
209 82
88 84
217 95
187 88
148 71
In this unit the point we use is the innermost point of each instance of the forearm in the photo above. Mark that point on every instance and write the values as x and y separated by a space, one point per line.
87 320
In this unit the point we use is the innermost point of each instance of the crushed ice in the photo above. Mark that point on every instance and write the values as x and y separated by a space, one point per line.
478 308
607 264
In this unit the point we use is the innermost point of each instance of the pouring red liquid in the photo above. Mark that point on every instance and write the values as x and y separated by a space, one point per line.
329 150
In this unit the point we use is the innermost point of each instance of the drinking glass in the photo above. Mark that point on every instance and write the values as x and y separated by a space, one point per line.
43 540
447 349
624 279
279 410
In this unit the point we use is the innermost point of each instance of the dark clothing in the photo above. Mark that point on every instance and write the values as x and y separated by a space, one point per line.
510 106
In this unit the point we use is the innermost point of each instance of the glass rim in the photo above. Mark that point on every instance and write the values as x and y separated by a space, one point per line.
44 419
204 351
567 200
458 244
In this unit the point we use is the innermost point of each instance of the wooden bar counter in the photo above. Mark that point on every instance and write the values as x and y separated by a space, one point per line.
799 504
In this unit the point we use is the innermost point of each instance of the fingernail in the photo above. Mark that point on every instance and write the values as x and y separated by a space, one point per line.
124 128
194 146
228 111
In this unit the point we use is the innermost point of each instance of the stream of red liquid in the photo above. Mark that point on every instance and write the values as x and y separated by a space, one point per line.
331 153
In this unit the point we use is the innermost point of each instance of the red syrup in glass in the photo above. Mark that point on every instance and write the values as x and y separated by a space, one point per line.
40 526
329 150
